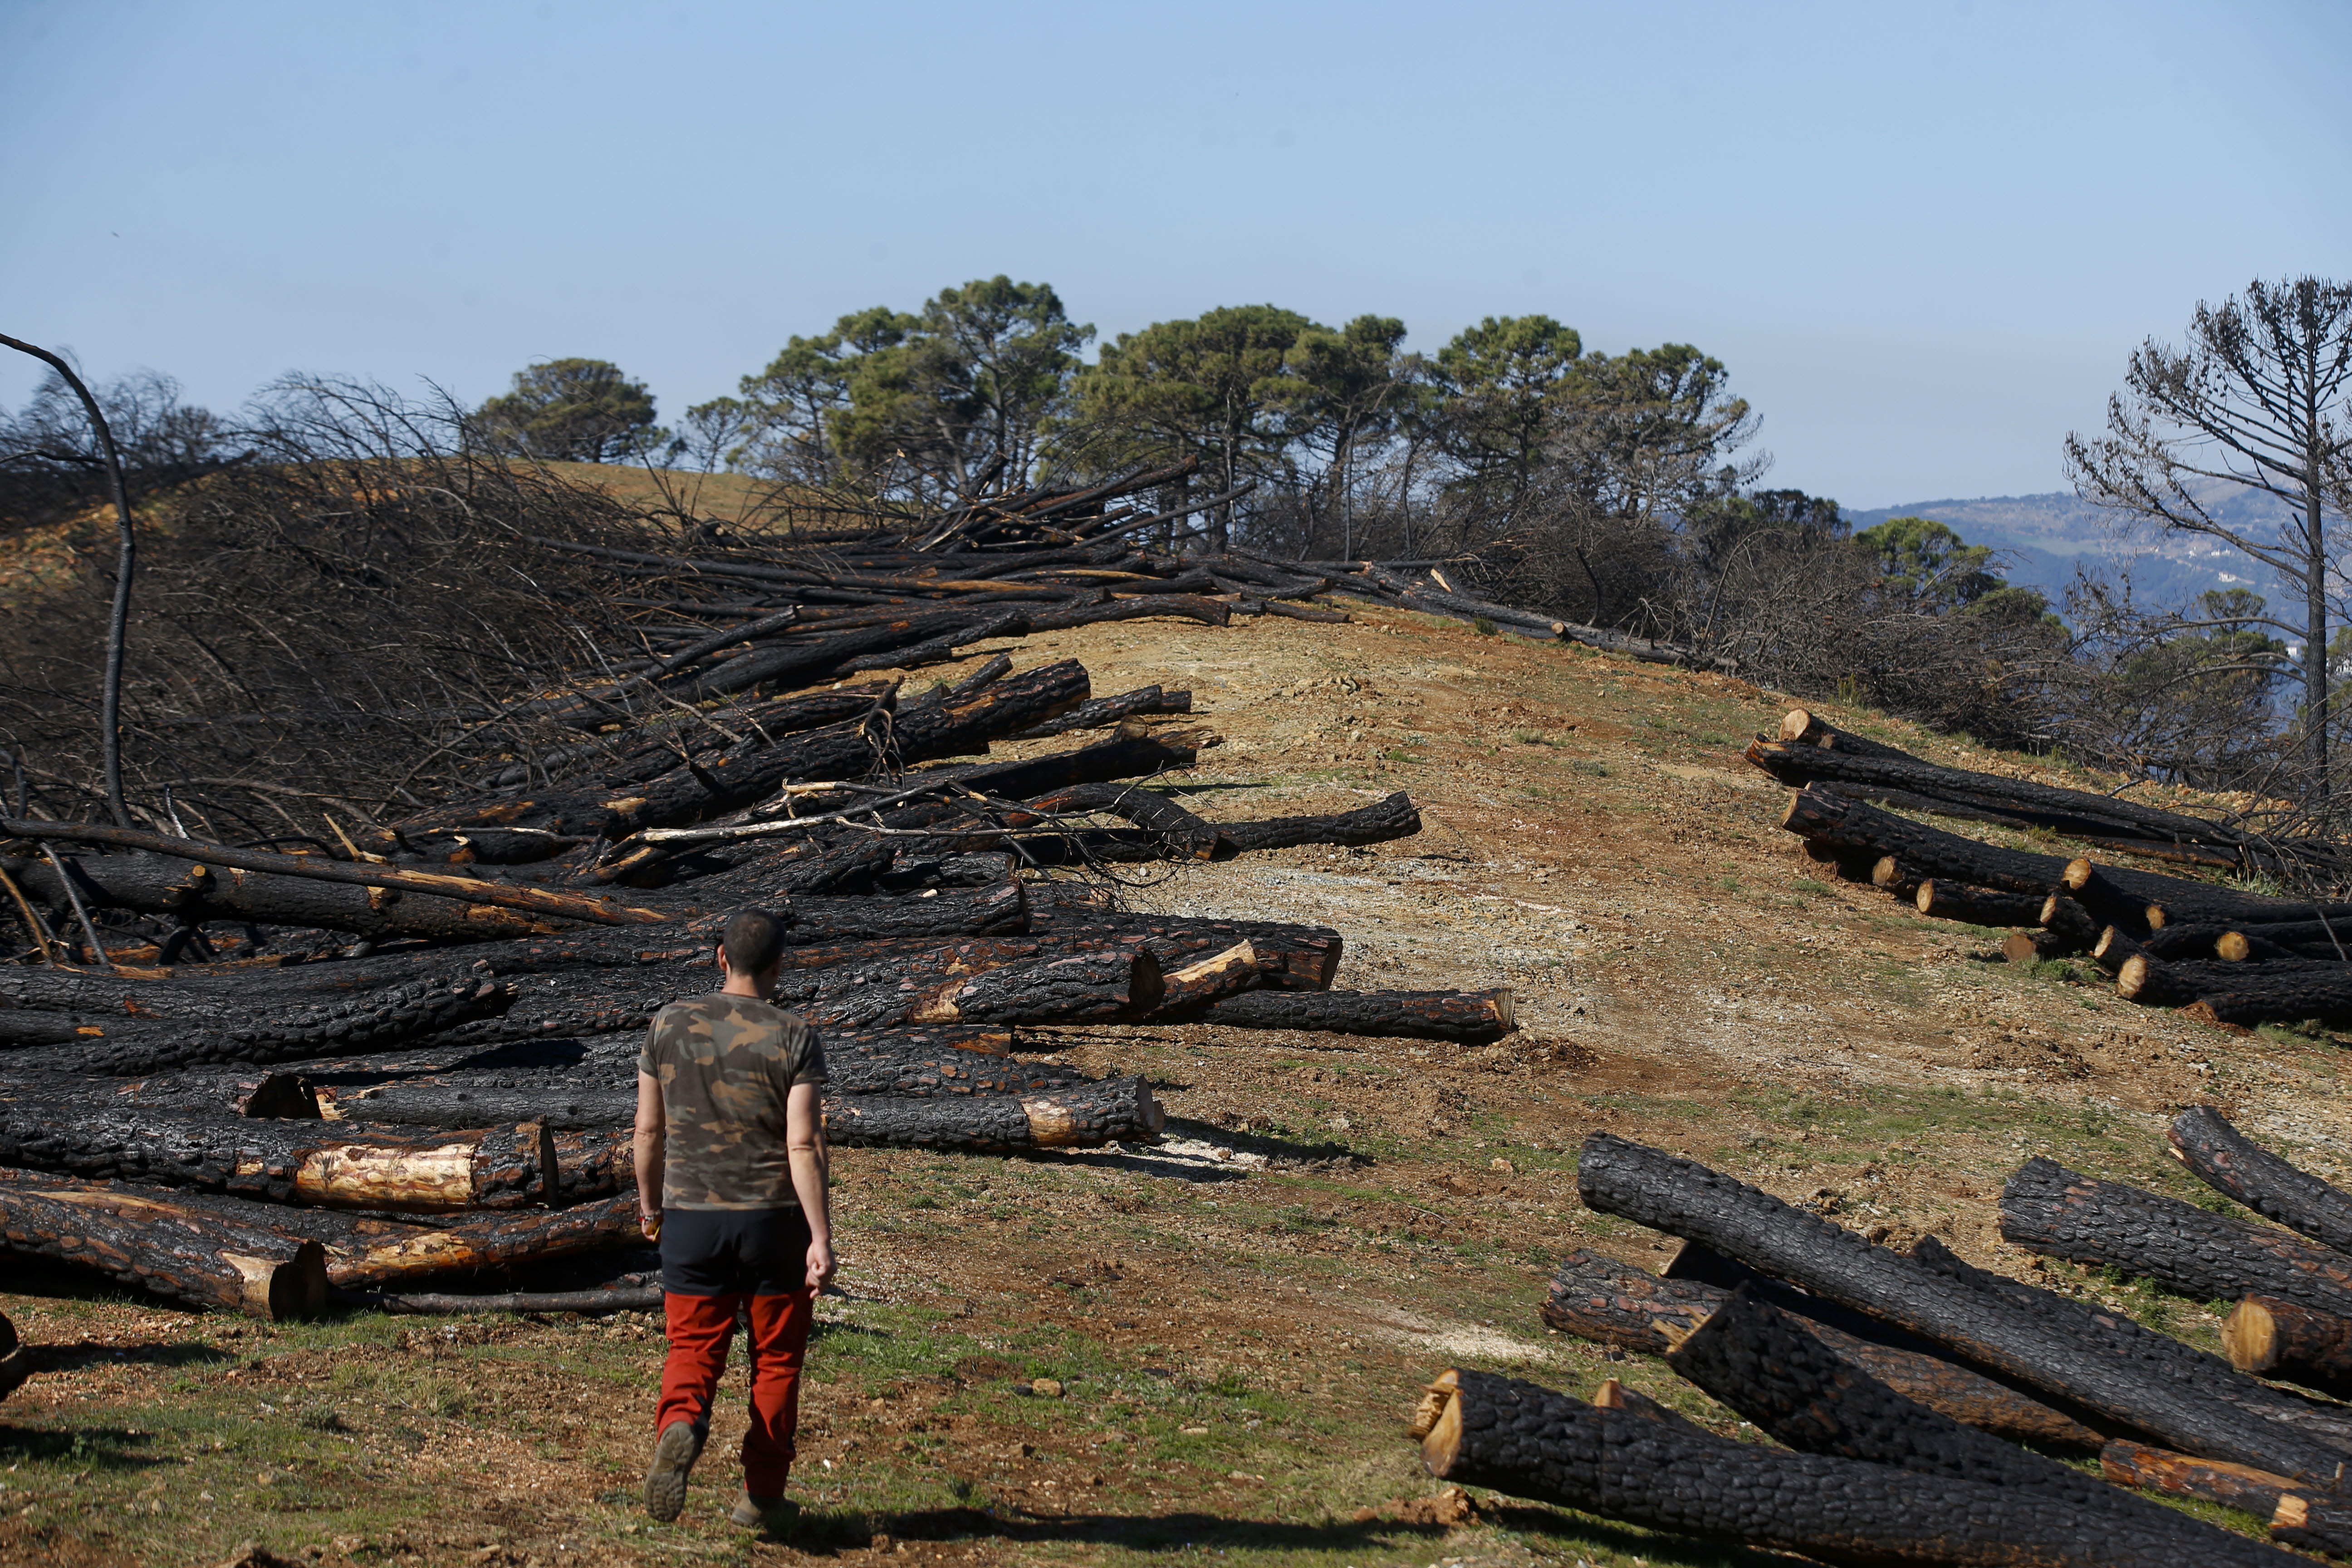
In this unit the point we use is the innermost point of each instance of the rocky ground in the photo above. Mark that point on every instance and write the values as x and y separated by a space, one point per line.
1208 1351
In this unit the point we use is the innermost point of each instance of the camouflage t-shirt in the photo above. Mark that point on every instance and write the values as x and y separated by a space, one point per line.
725 1065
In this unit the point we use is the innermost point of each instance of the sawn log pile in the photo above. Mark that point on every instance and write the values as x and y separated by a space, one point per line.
2226 955
1912 1398
403 1055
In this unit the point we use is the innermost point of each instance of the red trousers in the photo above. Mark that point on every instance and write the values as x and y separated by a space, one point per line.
699 1329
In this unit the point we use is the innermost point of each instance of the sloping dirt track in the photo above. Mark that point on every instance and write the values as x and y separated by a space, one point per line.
1230 1329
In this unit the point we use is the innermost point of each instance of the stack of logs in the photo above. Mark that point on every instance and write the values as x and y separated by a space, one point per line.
2228 956
259 1077
1913 1395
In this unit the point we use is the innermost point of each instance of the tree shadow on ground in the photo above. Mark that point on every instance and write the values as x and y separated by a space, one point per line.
825 1531
98 1447
75 1358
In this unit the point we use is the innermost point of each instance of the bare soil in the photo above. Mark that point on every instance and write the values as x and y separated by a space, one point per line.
1238 1323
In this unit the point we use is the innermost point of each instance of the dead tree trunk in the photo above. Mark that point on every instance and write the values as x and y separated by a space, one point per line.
1951 901
2064 1213
1520 1438
16 1358
1086 989
1769 1366
1599 1299
173 1249
284 1162
2066 1360
1116 1111
2232 1164
2298 1516
1470 1016
374 1253
373 1021
2270 1337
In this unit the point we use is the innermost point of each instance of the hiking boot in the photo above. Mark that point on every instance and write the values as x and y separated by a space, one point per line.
770 1515
675 1452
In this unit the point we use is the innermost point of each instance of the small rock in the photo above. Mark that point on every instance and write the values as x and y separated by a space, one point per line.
1503 1165
1046 1388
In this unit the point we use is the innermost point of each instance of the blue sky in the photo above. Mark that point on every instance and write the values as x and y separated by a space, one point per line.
1924 237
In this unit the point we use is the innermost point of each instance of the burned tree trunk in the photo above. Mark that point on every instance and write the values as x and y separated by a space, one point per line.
1951 901
1520 1438
1599 1299
462 1105
2299 1516
2069 1360
2114 950
1770 1367
976 911
1085 988
1304 958
1186 992
2064 1213
1987 796
374 1253
371 1021
16 1358
284 1162
1851 825
278 1094
173 1249
155 885
1118 1110
2270 1337
2232 1164
1104 711
1471 1016
1395 817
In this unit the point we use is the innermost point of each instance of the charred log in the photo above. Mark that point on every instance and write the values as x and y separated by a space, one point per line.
2232 1164
2069 1360
375 1020
1080 989
173 1249
1951 901
1599 1299
1395 817
1520 1438
1116 1111
297 1161
1470 1016
2064 1213
2271 1337
1771 1368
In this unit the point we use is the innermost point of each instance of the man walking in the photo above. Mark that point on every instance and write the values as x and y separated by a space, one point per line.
731 1173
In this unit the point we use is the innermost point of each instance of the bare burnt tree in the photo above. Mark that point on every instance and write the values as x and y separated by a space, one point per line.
337 625
2257 398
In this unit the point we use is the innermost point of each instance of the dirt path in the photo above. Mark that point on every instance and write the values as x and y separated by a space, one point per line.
1239 1322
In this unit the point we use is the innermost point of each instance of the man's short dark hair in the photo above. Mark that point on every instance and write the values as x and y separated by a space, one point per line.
754 940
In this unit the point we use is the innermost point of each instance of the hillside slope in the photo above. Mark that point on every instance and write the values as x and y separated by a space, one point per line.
1238 1322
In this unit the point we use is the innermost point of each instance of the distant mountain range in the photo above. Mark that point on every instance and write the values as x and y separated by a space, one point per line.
2044 539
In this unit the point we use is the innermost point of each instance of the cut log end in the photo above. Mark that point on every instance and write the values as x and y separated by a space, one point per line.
1440 1440
2231 947
2078 873
278 1290
1888 873
2250 1337
2132 978
1800 726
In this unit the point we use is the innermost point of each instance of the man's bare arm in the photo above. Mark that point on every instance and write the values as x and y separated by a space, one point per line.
812 1166
649 1145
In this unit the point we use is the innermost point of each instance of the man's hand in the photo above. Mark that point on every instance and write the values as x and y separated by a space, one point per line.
821 1264
649 1221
